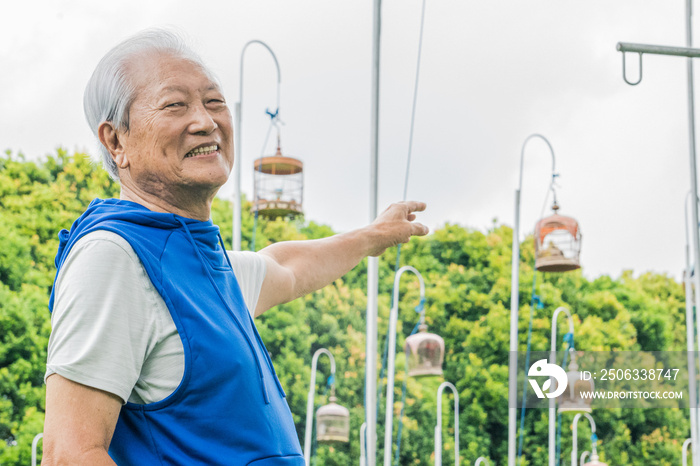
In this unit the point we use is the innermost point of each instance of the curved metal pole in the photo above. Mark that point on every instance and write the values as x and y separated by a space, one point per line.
553 360
584 457
35 443
238 137
480 460
684 454
393 317
438 426
514 307
574 449
690 337
310 401
522 156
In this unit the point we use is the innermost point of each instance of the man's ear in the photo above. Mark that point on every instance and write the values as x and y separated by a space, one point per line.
110 137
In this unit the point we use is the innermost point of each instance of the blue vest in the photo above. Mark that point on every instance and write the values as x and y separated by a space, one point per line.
229 408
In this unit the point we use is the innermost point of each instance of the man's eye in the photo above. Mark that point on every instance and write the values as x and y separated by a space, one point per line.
216 105
175 105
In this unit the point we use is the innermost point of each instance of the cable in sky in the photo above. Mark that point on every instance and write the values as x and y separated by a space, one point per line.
415 98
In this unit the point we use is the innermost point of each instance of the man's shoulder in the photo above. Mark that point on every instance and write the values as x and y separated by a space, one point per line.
247 261
104 244
104 236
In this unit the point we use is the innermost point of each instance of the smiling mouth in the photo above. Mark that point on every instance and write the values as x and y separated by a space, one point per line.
202 151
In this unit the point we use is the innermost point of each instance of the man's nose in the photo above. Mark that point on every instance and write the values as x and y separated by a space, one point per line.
202 121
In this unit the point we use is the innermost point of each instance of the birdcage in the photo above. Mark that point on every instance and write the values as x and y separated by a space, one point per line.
571 400
557 243
594 461
278 186
332 422
424 353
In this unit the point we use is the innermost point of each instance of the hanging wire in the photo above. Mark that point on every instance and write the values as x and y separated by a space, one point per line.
382 372
551 189
415 99
413 121
418 309
274 121
329 383
594 442
403 406
398 248
534 300
569 340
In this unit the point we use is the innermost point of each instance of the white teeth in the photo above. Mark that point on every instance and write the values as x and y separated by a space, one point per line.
202 150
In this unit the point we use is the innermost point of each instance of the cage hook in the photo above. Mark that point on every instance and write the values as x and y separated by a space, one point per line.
624 70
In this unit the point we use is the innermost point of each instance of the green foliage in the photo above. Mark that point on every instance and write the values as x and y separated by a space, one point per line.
467 274
36 201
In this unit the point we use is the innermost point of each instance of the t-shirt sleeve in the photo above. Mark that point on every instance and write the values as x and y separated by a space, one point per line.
249 268
101 333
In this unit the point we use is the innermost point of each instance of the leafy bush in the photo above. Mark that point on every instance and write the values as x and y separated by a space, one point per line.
467 274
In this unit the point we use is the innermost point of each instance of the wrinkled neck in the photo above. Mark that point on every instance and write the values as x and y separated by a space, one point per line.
195 205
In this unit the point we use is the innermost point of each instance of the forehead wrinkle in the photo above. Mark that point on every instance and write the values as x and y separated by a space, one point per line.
185 90
174 89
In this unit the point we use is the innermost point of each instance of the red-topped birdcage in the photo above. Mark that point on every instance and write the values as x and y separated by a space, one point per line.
279 186
557 243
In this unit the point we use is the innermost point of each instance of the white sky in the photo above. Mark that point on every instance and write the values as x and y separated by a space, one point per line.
493 72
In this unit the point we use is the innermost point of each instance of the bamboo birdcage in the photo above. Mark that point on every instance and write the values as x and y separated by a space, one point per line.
278 186
557 243
332 422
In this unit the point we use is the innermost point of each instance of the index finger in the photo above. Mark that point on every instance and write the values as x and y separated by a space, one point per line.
418 229
415 206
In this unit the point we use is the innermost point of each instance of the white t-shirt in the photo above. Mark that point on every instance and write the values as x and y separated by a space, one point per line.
111 329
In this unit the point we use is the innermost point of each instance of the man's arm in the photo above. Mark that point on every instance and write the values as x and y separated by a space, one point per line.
296 268
79 424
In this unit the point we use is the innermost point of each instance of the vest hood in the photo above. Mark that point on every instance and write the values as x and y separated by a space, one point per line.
204 234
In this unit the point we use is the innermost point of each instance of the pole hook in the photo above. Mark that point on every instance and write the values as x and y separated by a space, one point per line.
624 70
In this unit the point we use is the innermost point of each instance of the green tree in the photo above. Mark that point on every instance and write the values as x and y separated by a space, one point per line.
467 275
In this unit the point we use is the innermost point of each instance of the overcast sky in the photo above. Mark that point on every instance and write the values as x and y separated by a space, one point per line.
493 72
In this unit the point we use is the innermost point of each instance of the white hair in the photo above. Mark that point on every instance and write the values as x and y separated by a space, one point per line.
110 91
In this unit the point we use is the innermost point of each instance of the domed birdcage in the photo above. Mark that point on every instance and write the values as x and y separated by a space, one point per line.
332 422
278 186
424 353
557 243
594 461
571 400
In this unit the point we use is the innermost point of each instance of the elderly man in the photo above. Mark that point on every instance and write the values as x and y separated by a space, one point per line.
154 357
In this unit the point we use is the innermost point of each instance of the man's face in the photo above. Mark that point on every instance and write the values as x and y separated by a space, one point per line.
180 137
